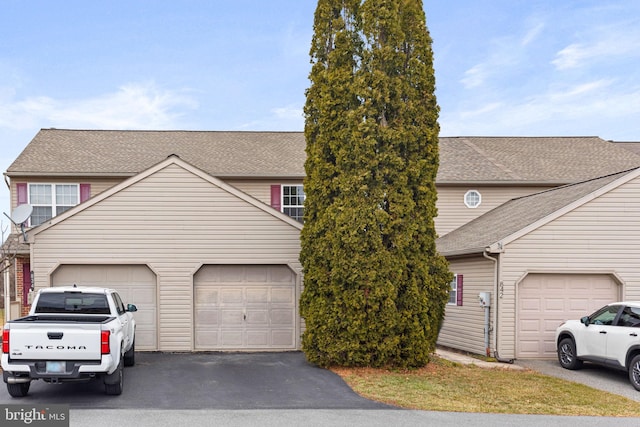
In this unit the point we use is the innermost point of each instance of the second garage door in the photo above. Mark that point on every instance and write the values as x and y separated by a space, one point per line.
245 307
136 284
546 300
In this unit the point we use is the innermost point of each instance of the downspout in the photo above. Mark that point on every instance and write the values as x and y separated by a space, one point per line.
485 254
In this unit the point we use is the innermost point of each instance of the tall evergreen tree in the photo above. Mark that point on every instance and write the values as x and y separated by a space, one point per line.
374 286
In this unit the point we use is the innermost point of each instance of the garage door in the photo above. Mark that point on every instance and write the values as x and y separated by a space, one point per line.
136 284
546 300
244 307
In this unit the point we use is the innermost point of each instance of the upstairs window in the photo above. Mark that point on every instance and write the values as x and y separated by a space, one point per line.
293 201
49 200
472 199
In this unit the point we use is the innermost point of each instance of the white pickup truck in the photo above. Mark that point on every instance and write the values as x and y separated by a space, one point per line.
71 334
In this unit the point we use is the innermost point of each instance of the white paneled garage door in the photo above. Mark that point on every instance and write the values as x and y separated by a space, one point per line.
546 300
245 307
136 284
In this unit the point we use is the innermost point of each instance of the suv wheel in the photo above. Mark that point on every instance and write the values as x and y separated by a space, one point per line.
567 355
634 372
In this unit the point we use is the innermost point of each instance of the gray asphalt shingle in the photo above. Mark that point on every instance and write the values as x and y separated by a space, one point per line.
553 160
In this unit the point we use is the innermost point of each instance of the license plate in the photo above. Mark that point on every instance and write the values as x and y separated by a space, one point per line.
56 367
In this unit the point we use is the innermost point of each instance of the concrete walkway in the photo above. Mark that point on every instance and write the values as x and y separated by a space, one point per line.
468 360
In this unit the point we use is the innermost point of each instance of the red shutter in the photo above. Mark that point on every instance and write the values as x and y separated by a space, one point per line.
459 289
85 192
22 193
26 283
276 197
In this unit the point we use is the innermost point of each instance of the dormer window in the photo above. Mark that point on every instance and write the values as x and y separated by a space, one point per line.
472 199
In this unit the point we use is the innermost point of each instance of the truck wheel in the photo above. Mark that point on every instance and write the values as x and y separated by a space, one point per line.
130 356
567 354
18 390
113 383
634 372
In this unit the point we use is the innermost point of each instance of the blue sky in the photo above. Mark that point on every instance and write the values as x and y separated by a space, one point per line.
503 67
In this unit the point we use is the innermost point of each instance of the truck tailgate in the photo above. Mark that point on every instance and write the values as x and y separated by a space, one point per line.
51 341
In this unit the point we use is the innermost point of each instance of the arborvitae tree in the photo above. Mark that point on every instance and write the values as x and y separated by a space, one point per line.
375 287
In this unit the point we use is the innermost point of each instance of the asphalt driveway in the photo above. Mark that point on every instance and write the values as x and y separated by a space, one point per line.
211 381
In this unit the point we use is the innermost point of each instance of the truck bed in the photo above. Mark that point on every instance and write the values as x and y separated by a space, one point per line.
54 318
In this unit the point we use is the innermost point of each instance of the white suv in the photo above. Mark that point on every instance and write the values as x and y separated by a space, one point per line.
609 337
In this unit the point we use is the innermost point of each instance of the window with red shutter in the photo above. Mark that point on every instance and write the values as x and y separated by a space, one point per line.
455 292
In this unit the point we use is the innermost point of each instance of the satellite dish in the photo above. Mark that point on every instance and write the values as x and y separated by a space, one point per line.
21 214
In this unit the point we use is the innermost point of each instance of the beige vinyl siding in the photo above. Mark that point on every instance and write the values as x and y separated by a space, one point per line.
100 185
260 189
173 221
599 237
463 326
453 213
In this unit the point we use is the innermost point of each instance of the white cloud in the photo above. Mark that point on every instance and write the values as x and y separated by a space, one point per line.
482 110
506 53
604 44
577 90
532 34
288 113
287 118
574 55
593 108
475 76
132 106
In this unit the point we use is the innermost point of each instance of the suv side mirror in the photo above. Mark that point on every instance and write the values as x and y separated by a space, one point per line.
585 320
132 308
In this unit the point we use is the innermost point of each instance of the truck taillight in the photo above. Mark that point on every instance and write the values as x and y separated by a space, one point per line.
5 341
104 342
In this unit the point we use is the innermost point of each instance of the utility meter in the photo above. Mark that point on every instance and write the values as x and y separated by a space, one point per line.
484 298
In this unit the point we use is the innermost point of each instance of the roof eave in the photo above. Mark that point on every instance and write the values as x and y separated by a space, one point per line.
130 174
505 182
10 174
462 252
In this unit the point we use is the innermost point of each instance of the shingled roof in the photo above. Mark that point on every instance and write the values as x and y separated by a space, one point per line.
634 147
534 160
517 214
126 153
544 160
